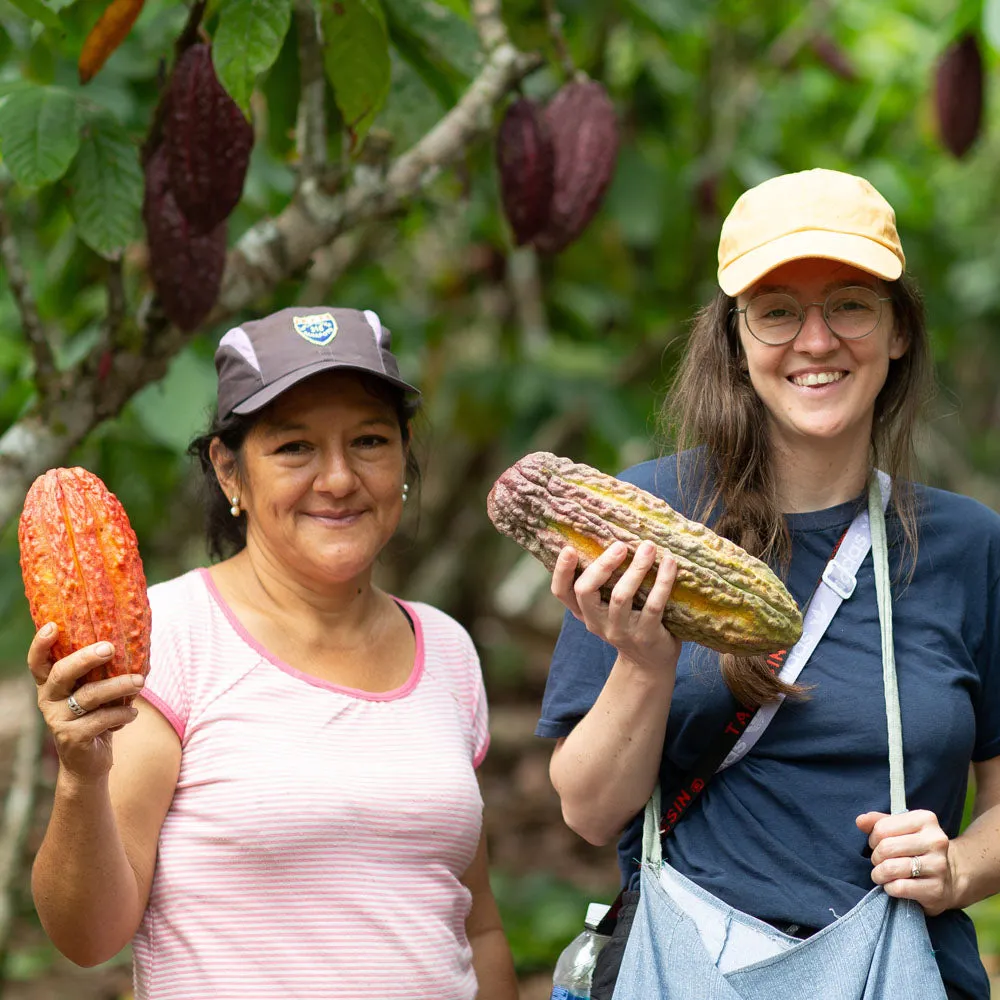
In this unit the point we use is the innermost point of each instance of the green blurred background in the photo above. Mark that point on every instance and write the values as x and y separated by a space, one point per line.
515 352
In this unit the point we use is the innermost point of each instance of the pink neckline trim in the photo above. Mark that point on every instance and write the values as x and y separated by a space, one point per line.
400 692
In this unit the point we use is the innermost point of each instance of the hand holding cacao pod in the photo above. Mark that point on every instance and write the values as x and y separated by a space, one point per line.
81 569
723 597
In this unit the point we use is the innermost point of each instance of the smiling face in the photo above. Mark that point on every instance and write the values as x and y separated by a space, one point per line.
818 387
320 479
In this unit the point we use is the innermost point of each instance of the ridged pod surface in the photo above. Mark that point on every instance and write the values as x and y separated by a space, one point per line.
82 570
186 265
959 83
584 128
208 140
524 165
723 597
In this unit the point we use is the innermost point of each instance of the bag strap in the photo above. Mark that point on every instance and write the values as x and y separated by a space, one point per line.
652 848
883 593
837 584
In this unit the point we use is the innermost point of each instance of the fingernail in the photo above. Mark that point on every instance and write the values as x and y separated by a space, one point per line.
46 630
138 680
103 649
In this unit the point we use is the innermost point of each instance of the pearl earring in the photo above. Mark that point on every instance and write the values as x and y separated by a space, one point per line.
406 491
235 509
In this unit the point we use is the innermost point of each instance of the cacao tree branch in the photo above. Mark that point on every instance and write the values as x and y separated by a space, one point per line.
330 262
276 248
17 815
310 126
489 23
554 23
17 277
271 251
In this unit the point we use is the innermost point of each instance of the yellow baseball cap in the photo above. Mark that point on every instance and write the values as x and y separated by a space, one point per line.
812 213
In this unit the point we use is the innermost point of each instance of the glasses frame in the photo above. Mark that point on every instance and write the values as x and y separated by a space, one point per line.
803 308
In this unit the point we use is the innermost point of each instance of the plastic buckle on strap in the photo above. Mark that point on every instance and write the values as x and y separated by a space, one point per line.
839 580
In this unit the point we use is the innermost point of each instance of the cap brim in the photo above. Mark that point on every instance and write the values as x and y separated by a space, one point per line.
847 248
271 392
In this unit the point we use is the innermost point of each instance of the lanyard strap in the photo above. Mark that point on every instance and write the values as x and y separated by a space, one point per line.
652 850
836 585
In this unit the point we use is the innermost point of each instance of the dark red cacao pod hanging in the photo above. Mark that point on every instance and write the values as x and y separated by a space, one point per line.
584 130
186 265
524 165
208 140
959 84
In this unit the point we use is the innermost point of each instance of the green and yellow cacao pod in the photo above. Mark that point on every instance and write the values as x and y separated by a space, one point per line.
723 597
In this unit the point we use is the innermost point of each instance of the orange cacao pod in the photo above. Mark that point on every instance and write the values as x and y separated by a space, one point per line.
958 95
208 141
584 130
524 164
81 569
186 265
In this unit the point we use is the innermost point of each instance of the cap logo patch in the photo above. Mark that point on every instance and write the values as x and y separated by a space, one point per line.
318 329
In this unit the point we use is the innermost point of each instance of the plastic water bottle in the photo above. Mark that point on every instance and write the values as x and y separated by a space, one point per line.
574 970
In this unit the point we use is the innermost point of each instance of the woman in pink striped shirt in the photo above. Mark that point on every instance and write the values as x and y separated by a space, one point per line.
292 808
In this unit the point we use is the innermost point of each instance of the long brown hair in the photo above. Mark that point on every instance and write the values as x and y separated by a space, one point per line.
713 405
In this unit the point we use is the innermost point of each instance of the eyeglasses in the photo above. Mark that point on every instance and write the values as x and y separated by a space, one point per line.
850 313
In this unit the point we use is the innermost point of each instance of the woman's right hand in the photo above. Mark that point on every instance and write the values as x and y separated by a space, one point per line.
82 742
639 636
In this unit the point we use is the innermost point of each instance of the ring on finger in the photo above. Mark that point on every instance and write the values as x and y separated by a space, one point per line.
915 867
75 707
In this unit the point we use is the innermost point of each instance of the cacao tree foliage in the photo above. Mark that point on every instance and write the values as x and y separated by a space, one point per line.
515 351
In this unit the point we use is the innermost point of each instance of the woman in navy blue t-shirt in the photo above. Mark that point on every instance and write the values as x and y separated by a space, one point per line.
807 372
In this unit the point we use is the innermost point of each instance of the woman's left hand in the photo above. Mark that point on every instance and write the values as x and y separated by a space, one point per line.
910 857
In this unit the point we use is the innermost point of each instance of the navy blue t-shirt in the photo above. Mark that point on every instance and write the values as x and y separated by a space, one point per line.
774 835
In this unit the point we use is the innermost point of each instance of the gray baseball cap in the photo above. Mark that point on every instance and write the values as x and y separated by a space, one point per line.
262 358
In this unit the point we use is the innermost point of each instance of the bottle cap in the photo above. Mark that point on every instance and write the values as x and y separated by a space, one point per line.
595 914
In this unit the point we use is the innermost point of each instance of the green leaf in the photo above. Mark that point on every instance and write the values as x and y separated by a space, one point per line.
106 187
459 7
38 134
246 43
444 49
356 58
38 11
173 410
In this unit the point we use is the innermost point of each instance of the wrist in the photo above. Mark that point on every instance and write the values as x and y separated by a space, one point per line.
654 673
72 785
961 888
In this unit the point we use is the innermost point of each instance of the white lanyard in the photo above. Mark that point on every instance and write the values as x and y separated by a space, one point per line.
836 585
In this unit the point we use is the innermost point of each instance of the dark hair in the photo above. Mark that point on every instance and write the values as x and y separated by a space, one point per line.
713 404
226 535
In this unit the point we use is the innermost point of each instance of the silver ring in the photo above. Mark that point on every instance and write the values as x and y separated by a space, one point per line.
75 707
914 867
